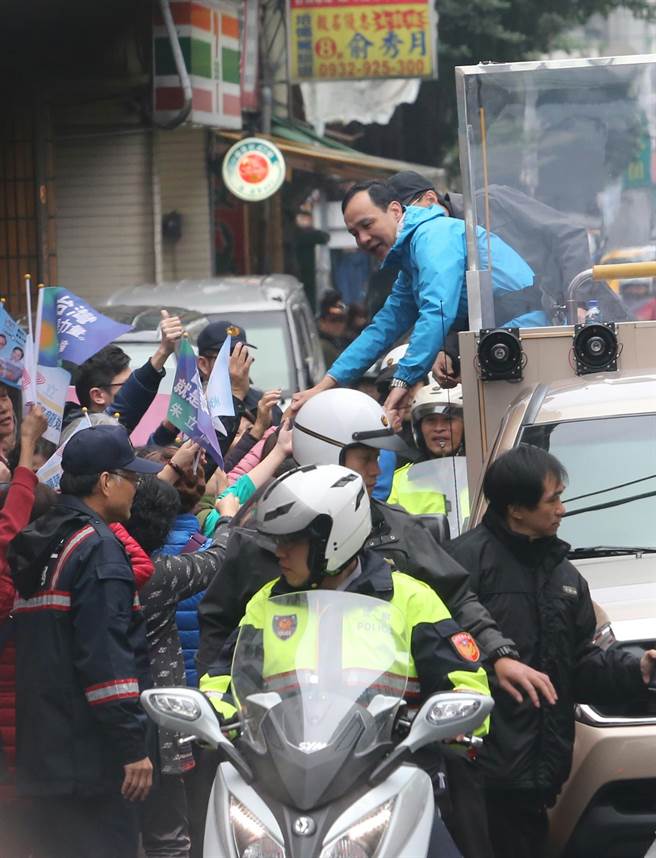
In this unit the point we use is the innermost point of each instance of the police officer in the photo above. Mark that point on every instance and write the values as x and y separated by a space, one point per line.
318 519
349 428
439 433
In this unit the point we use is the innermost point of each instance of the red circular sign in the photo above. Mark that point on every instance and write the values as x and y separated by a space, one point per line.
253 168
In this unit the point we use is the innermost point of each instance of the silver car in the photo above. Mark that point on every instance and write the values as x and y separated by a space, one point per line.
273 310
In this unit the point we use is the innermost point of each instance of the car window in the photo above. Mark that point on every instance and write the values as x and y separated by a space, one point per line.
273 365
305 341
611 463
269 331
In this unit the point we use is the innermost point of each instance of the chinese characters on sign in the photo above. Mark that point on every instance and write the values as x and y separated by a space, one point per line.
355 39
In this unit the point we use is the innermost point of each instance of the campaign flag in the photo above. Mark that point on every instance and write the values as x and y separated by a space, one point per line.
71 329
51 388
50 472
188 408
219 390
12 349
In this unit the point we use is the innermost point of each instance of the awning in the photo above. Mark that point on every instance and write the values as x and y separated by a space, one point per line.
307 151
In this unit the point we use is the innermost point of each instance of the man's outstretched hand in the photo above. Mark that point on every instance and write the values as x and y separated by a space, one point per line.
514 677
301 396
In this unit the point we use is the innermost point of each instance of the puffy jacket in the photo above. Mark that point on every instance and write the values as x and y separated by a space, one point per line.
430 293
404 540
185 538
538 598
443 657
142 565
81 659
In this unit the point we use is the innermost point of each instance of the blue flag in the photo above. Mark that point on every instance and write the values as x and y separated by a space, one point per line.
71 329
188 406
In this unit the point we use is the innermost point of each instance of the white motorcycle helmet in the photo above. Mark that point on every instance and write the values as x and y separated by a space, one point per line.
333 420
327 504
433 399
389 362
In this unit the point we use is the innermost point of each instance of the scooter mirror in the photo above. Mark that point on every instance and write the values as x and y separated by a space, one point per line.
184 709
443 716
446 715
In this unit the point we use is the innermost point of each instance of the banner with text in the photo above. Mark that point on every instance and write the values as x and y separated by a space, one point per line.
356 39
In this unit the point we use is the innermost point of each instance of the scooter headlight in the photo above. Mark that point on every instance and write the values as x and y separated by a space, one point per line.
252 838
362 839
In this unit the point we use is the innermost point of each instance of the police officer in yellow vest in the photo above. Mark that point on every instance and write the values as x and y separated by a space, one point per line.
319 518
439 433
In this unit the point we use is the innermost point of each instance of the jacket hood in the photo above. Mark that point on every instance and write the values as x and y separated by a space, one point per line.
29 552
413 217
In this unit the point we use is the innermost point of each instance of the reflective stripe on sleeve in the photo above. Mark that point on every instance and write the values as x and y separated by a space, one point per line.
70 546
45 600
108 692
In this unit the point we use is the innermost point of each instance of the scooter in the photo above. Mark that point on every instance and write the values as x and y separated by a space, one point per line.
319 769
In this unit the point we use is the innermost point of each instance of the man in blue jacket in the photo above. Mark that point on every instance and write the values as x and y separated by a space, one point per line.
429 294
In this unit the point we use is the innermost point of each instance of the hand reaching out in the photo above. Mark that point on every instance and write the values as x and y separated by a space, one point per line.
264 409
239 369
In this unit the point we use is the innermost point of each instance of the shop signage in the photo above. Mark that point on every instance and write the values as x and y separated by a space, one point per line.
253 169
356 39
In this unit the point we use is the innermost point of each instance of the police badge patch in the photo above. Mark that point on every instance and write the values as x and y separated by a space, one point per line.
465 645
284 625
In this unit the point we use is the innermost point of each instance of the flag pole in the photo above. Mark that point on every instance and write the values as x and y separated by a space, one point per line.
31 372
28 301
39 320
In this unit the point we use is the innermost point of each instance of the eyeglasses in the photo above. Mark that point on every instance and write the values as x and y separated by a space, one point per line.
128 476
113 384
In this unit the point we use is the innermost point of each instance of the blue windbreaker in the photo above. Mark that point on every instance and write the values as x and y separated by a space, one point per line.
430 293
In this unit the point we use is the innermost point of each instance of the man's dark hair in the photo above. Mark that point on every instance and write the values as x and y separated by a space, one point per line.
78 485
517 478
155 506
380 193
99 371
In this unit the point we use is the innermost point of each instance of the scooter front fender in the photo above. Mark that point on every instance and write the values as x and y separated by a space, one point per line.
407 835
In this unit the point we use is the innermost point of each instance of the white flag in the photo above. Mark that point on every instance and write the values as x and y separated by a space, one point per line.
51 390
50 472
219 391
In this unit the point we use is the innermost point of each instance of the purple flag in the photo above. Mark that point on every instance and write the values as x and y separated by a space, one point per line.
71 329
188 406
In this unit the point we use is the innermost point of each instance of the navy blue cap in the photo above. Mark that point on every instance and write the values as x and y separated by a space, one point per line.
104 448
212 337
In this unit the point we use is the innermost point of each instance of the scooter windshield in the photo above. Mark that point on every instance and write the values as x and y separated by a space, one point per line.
319 677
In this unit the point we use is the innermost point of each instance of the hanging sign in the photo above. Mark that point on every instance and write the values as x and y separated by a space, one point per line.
253 169
358 39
